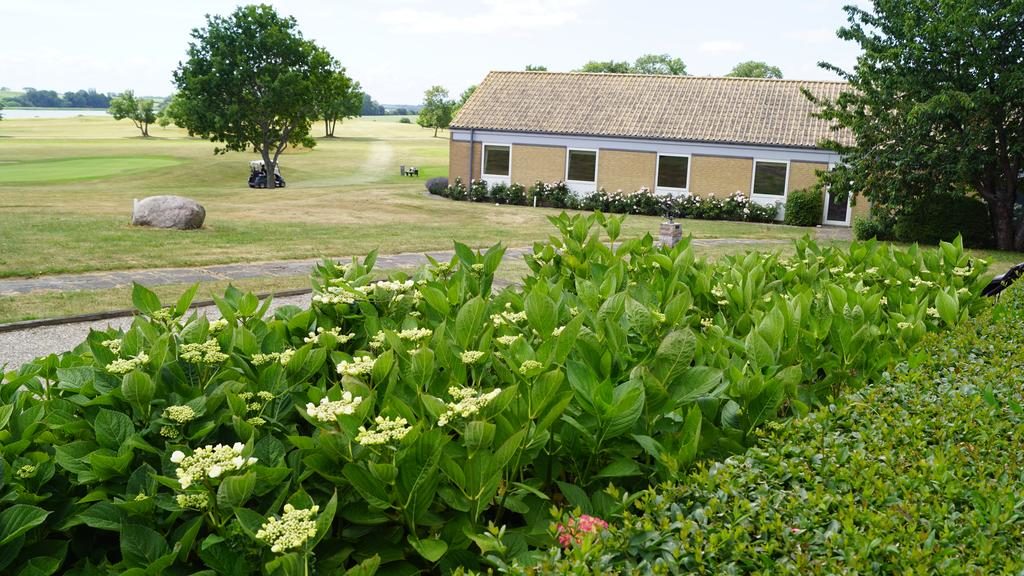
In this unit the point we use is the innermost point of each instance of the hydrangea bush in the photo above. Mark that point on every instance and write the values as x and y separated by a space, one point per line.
736 206
429 422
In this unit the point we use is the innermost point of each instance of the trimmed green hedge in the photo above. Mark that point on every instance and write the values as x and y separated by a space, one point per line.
804 208
920 475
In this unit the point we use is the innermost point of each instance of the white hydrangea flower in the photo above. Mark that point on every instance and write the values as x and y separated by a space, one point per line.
196 501
507 340
286 356
359 366
209 462
113 345
295 527
377 342
384 431
218 325
416 334
471 356
126 365
468 402
206 353
261 359
529 366
327 410
180 414
933 312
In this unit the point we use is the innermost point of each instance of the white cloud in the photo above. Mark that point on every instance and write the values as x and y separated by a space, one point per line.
721 47
496 16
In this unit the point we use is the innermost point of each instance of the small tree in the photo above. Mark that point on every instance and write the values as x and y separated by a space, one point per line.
337 98
662 64
250 82
755 69
536 68
170 112
437 109
140 111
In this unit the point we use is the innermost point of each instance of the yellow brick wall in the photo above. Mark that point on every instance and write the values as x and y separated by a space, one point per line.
803 175
720 175
626 171
532 163
458 161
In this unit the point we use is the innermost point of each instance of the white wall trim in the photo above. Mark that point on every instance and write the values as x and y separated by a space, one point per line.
582 186
671 147
668 190
768 199
505 179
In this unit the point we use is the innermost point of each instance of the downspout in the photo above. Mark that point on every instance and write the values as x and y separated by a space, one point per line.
469 184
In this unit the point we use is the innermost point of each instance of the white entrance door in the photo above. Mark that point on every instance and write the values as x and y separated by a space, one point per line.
837 213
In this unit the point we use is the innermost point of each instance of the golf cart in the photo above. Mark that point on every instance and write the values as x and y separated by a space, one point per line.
258 175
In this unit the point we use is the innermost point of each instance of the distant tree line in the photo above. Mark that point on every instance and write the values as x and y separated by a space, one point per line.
32 98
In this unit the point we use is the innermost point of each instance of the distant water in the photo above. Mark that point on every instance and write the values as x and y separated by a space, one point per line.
13 113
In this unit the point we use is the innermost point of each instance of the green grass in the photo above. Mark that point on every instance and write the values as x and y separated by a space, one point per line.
344 197
78 168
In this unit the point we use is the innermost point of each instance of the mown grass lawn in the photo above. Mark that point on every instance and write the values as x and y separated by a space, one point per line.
65 205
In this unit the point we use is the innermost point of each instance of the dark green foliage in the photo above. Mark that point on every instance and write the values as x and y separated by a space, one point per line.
943 218
919 474
804 208
755 69
404 120
872 227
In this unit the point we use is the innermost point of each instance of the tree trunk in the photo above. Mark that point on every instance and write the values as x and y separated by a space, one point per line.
271 169
435 131
1002 223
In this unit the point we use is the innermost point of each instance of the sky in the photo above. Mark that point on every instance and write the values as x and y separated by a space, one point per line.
399 48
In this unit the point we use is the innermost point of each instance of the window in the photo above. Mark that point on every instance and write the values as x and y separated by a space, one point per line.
673 172
770 178
496 160
582 166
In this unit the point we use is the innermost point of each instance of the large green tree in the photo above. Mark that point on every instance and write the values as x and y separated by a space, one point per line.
140 111
662 64
437 110
755 69
337 98
936 106
251 81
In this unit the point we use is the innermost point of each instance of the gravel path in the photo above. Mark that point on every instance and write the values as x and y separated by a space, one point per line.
16 348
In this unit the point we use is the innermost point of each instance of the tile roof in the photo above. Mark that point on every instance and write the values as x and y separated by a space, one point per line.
691 108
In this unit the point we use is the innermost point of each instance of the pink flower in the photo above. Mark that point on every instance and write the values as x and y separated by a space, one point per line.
573 531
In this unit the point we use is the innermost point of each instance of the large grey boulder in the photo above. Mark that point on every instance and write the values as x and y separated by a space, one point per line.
168 212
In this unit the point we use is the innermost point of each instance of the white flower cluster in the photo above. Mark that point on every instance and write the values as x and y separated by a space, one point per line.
218 325
126 365
206 353
180 414
903 325
385 431
507 317
377 342
25 472
113 345
292 530
336 332
389 286
933 312
467 403
529 366
196 501
706 323
471 356
334 295
209 462
416 334
917 282
965 271
359 366
558 331
507 340
328 410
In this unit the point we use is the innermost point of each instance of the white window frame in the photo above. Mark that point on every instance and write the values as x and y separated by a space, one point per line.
493 179
582 186
668 189
768 199
849 208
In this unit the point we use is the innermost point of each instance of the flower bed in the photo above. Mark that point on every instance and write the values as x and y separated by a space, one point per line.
427 423
736 206
919 474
